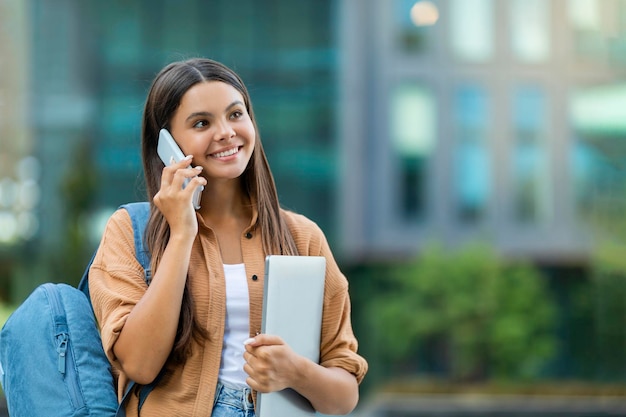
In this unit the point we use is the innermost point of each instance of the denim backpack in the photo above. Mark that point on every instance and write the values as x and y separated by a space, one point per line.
51 358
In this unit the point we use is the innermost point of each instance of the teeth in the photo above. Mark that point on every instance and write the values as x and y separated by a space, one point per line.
226 153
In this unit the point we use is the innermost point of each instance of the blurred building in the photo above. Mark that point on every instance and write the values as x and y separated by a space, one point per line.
19 171
389 122
500 121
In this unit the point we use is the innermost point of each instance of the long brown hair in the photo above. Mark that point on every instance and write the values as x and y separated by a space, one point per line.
163 99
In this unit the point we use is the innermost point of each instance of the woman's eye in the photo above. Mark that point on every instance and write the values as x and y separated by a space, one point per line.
236 114
200 123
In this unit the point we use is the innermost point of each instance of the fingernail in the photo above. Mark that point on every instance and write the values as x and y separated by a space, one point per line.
198 167
189 157
248 341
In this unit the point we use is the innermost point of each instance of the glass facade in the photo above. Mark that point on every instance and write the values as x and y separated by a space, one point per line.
283 51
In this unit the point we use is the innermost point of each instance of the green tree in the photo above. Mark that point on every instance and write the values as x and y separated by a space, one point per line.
608 289
78 189
490 318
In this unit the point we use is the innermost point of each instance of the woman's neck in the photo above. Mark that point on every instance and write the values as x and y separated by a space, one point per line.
223 202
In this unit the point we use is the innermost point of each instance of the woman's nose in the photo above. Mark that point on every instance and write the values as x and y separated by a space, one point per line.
224 131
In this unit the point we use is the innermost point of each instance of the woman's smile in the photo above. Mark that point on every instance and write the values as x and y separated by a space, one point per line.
225 153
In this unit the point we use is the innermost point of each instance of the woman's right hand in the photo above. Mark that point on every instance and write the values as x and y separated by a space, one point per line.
149 333
175 202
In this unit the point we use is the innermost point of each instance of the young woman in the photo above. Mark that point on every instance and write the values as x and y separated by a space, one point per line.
205 297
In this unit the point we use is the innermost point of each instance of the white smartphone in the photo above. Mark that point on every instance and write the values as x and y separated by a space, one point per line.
168 149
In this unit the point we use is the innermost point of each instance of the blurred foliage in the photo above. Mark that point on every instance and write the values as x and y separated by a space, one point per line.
608 309
65 262
477 315
604 301
78 190
5 312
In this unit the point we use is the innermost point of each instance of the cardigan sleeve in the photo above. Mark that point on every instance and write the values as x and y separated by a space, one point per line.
338 347
116 280
338 344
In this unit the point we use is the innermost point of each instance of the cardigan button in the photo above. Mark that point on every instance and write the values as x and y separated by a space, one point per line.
248 235
254 277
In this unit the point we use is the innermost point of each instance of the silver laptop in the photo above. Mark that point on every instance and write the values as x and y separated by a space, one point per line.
292 309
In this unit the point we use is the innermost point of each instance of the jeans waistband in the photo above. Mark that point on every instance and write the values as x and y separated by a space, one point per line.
236 397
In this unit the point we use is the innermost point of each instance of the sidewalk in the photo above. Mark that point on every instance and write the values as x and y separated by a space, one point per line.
473 405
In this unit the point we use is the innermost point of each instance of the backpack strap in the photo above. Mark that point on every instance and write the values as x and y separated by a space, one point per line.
143 392
139 215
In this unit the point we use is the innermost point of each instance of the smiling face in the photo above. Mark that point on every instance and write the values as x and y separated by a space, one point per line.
212 124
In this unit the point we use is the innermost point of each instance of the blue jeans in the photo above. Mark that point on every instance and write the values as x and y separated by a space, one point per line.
232 402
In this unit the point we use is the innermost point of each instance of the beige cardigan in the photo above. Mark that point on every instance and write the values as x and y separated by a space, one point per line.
116 284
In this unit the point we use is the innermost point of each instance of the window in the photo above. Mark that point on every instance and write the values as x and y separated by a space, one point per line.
531 177
472 25
596 28
472 173
598 118
617 41
413 131
530 30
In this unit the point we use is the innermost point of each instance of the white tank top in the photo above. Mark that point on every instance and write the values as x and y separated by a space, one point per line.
237 326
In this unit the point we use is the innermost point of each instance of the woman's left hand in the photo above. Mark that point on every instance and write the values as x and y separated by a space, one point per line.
270 363
273 366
